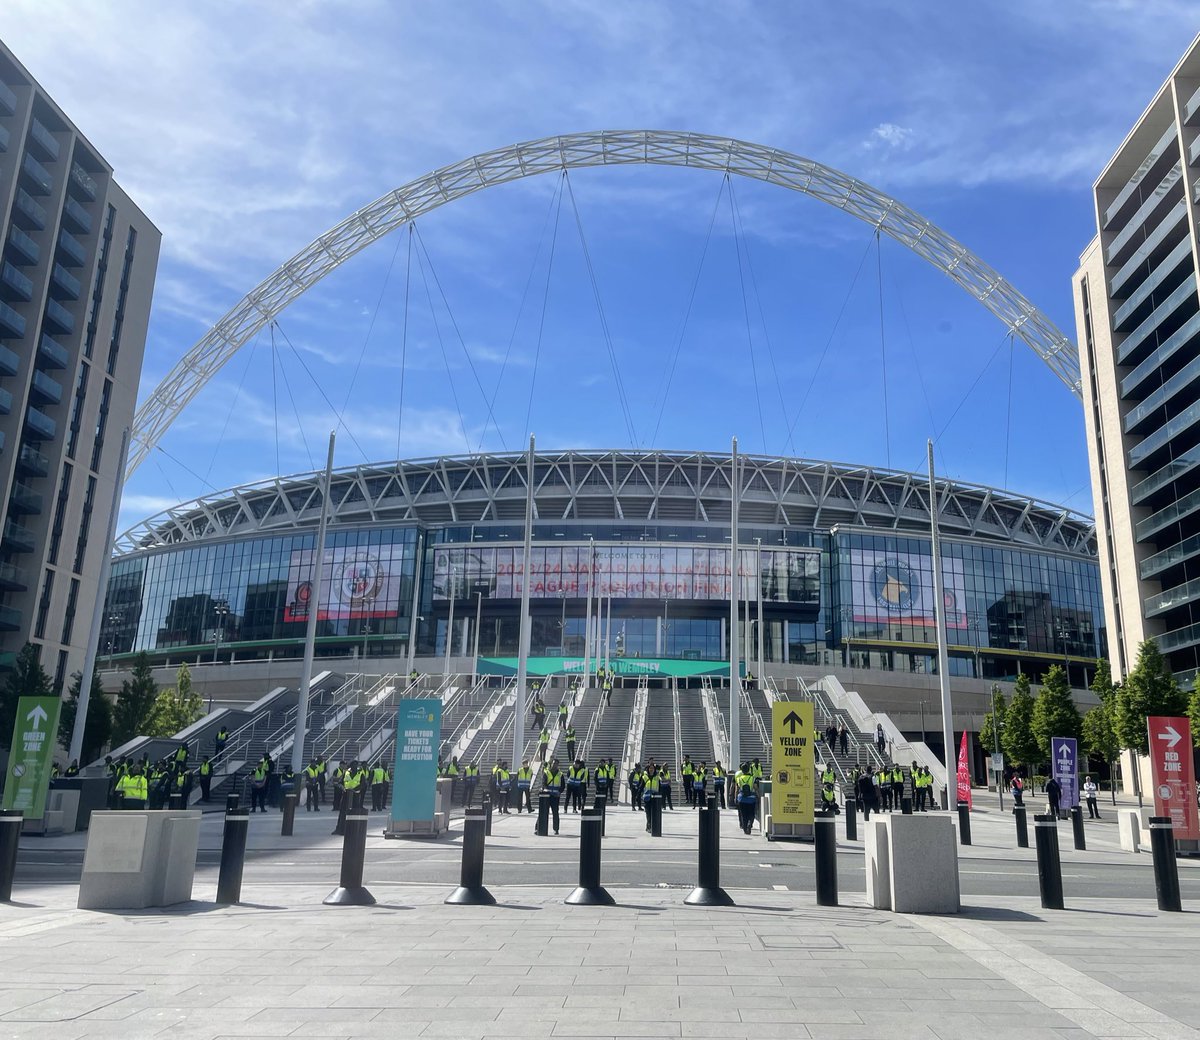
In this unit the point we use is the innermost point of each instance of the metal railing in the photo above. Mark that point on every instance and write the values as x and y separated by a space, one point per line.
678 724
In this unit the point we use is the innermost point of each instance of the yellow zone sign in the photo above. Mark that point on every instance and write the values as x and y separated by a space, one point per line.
792 792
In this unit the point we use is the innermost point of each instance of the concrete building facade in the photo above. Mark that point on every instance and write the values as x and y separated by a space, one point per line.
76 275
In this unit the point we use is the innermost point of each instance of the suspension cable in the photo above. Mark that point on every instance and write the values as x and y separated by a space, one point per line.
762 428
275 406
295 410
887 429
912 346
404 338
1008 409
970 390
537 354
232 404
437 325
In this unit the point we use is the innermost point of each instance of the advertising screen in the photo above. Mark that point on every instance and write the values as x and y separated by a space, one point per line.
356 582
897 588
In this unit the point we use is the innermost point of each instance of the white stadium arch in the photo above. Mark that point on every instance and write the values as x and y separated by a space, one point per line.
268 299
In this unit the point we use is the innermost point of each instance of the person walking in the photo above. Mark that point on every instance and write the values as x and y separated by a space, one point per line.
503 786
720 779
470 780
1054 796
543 744
219 744
1018 790
880 738
607 692
1090 790
570 738
312 787
258 788
868 796
746 797
563 710
843 738
651 787
379 778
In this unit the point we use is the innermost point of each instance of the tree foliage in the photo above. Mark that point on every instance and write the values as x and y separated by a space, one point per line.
1099 725
1150 689
176 707
135 702
1018 740
27 679
1194 715
97 731
1054 711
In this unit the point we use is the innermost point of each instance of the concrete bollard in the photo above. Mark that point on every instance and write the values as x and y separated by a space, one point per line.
1045 833
851 819
542 827
10 842
708 891
350 891
1077 828
1166 869
470 891
964 823
1022 826
289 814
656 816
233 856
825 833
590 892
601 806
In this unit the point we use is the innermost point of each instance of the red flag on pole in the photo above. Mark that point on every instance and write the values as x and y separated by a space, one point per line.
964 773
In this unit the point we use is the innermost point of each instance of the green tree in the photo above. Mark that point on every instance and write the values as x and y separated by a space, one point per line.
97 730
27 679
176 707
135 702
1194 715
1150 689
1018 740
1054 711
1099 728
993 723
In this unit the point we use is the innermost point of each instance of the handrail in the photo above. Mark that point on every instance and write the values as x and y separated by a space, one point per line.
756 720
594 725
716 725
632 752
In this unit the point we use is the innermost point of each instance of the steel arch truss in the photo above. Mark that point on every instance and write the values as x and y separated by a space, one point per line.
633 488
577 151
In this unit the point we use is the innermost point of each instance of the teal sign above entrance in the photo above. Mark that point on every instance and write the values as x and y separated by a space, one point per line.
652 666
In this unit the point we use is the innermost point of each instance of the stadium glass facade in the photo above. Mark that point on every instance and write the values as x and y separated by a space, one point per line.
850 594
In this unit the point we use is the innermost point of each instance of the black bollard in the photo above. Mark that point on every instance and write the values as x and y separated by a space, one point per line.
289 814
656 816
339 828
590 892
945 798
350 891
233 856
964 823
851 819
1077 827
1166 870
601 806
1022 827
470 891
176 800
231 802
708 891
1045 833
826 855
487 813
906 806
542 827
10 842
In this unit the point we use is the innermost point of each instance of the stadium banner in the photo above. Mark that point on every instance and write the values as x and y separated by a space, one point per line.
897 588
625 572
964 772
356 582
650 666
414 778
793 795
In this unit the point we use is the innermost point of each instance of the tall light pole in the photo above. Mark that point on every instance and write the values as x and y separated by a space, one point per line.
221 612
478 621
758 582
526 623
939 608
735 680
450 622
587 622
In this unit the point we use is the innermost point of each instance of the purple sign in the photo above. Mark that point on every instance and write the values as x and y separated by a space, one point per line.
1065 768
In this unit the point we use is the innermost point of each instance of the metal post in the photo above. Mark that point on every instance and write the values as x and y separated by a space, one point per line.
10 842
851 818
608 639
450 621
1166 869
1022 827
314 606
759 610
1077 828
289 814
350 891
233 856
939 608
419 549
708 891
590 892
587 614
542 827
735 679
996 745
1045 832
826 856
486 808
470 891
601 806
526 626
656 816
231 801
93 643
478 621
964 823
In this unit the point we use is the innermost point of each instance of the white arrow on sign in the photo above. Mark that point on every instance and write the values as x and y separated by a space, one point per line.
1172 735
37 716
1064 751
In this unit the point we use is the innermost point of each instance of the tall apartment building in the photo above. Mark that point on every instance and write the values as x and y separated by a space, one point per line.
1138 315
76 273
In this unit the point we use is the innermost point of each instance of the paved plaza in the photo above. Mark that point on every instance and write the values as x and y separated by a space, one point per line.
776 965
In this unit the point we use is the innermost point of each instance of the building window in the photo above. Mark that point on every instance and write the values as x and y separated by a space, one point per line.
85 521
60 512
77 409
60 672
101 423
114 343
98 289
39 629
69 617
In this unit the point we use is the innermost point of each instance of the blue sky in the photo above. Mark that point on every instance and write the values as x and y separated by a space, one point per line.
246 130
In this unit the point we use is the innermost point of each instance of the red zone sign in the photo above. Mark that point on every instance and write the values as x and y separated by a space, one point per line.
1174 776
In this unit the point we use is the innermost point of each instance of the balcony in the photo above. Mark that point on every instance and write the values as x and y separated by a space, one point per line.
42 140
59 317
78 217
8 100
22 248
36 175
12 578
23 499
31 462
17 538
11 323
63 284
9 362
71 249
10 619
28 212
45 389
52 354
40 426
5 401
81 183
14 285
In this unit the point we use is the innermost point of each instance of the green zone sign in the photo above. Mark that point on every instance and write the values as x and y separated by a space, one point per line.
31 755
651 666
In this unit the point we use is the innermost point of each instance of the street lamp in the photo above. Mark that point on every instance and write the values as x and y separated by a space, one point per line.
114 619
221 611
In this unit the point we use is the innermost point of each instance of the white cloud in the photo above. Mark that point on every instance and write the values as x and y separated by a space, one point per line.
890 136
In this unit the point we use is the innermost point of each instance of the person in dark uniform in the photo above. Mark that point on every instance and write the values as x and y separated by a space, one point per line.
524 780
636 785
205 773
554 783
312 787
570 738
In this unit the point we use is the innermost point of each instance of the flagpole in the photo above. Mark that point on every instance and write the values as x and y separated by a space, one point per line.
939 610
523 649
735 698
